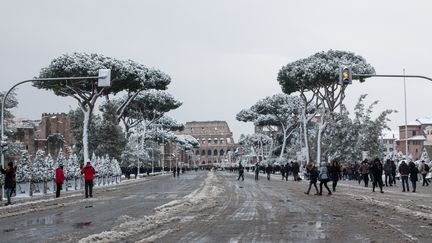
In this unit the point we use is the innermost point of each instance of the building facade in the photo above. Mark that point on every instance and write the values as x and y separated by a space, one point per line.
216 143
50 134
417 135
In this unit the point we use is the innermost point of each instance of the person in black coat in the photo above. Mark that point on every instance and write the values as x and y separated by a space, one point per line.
268 171
256 170
241 172
413 175
10 181
313 176
334 173
377 171
282 170
295 171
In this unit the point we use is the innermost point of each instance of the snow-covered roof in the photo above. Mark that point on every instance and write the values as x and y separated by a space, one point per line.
412 123
419 122
425 120
390 134
418 137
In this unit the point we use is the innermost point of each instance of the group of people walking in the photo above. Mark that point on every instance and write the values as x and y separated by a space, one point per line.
408 172
324 174
10 180
373 170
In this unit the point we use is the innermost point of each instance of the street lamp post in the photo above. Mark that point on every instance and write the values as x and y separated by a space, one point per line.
152 159
104 78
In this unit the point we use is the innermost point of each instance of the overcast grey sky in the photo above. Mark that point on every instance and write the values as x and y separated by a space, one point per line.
222 55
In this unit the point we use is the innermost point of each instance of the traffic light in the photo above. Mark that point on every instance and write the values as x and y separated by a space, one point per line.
345 76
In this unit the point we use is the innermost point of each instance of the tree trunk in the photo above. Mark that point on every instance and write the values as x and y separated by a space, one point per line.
283 143
320 132
85 134
305 135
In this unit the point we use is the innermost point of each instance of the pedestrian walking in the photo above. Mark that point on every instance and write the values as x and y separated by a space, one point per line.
404 172
178 171
256 171
9 181
377 171
88 172
324 178
313 178
424 169
241 172
334 173
364 171
268 171
295 170
413 170
283 172
349 171
393 171
388 173
59 179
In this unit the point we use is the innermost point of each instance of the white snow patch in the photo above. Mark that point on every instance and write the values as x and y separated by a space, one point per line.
201 198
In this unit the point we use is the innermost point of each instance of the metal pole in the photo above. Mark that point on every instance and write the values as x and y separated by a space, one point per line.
152 160
406 119
163 155
390 76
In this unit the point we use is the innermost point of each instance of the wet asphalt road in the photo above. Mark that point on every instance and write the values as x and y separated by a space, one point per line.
246 211
279 211
107 209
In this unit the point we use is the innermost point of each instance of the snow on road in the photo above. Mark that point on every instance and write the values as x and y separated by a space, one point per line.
200 199
279 211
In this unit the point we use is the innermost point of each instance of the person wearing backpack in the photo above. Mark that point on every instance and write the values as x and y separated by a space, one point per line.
324 178
10 181
313 176
424 169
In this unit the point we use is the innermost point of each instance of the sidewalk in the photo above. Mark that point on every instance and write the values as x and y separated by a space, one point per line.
23 205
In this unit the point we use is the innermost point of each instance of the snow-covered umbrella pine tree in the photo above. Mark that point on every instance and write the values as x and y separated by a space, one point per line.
39 172
50 173
23 175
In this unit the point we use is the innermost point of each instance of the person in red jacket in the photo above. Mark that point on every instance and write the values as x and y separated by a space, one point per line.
88 172
59 179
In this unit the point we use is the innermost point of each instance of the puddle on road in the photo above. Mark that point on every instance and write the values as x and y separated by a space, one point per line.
89 206
9 230
311 230
82 225
46 220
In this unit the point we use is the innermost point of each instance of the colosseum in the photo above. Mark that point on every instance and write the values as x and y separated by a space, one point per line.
216 140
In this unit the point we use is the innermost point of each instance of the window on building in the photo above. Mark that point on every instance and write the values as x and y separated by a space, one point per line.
221 141
215 141
209 141
203 152
221 152
203 163
215 152
197 152
416 150
391 149
209 152
414 133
